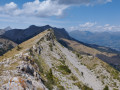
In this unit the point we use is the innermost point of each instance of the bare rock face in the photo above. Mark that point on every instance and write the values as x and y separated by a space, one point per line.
27 68
27 78
18 83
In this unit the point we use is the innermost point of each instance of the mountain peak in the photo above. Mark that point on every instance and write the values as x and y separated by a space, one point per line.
47 26
7 28
32 26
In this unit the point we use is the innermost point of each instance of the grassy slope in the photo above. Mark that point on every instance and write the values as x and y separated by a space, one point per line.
24 45
82 48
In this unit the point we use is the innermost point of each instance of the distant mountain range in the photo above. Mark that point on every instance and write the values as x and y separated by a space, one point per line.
107 39
20 35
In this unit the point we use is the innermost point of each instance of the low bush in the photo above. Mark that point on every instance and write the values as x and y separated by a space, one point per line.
19 48
106 88
64 69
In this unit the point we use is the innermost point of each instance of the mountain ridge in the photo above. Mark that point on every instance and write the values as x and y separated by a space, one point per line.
23 34
43 63
106 54
31 31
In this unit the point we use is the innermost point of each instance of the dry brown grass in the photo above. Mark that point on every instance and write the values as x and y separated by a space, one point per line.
27 44
82 48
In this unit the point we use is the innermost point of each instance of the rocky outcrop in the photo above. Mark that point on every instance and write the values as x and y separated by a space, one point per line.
16 83
27 78
19 83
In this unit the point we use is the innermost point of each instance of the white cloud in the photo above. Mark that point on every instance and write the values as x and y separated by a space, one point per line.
45 8
8 9
35 8
94 27
87 24
11 5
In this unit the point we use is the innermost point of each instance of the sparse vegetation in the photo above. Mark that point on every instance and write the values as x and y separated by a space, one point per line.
49 29
62 61
50 77
81 86
18 48
47 74
79 56
31 52
39 65
78 84
106 88
50 80
115 74
115 89
86 88
74 78
60 88
64 69
51 46
112 71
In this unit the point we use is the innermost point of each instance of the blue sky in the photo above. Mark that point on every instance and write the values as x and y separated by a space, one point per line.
93 15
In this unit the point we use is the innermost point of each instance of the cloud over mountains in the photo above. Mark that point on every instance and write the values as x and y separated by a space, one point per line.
93 27
45 8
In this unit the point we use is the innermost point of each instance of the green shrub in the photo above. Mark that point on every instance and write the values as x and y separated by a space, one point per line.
74 78
86 88
115 74
51 46
106 88
31 52
50 76
50 80
115 89
78 84
62 61
60 88
64 69
82 87
79 56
